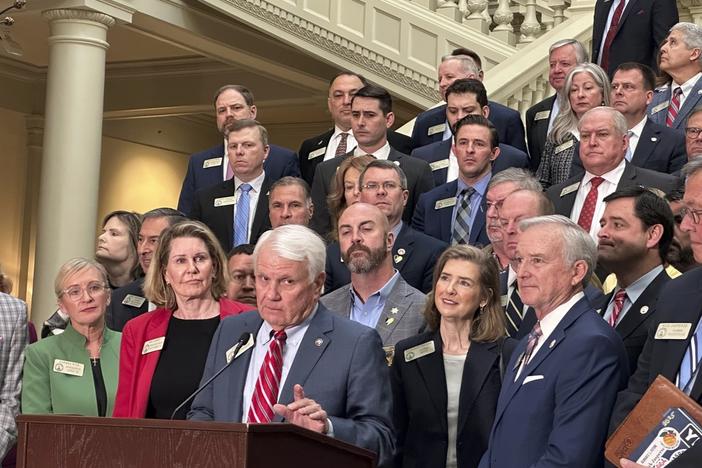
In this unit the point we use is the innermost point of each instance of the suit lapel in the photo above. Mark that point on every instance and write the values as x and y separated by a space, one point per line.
479 361
443 152
393 311
645 146
238 370
628 176
625 14
690 103
688 312
446 214
261 221
634 316
404 243
564 202
479 222
431 368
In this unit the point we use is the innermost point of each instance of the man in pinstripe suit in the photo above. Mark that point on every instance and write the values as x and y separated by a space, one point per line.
13 340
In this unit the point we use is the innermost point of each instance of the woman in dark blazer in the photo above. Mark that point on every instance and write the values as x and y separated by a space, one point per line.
446 381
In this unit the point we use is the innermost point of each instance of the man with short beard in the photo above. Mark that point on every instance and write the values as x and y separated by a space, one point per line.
377 296
680 255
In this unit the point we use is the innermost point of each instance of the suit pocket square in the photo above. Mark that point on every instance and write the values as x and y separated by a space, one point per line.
641 12
531 378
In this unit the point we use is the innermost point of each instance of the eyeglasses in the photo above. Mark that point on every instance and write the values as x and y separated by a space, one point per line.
692 132
694 214
74 293
388 186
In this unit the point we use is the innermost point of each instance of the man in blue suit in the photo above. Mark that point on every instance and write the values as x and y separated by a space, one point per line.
455 211
562 380
210 167
430 126
465 96
680 59
322 372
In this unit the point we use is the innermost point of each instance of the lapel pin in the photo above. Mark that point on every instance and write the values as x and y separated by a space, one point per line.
553 343
643 310
401 251
389 320
654 139
699 91
398 258
394 310
318 342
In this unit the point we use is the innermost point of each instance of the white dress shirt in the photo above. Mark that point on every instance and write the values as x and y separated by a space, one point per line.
381 153
611 180
254 193
634 136
334 143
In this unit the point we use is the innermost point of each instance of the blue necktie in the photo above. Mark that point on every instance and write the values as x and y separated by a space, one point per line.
241 217
690 362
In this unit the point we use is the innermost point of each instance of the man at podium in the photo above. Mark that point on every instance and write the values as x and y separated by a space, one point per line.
299 363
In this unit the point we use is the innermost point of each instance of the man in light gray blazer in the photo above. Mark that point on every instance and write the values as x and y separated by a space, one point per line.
377 296
13 340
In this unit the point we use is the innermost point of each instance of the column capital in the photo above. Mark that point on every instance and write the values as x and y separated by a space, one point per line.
79 15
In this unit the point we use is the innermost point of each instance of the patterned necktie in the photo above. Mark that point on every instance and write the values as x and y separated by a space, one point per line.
588 209
241 217
461 226
341 149
629 153
611 32
532 340
674 107
690 362
619 299
514 312
265 393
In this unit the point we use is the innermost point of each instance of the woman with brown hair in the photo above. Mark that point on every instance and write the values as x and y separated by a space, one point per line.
117 247
345 189
446 381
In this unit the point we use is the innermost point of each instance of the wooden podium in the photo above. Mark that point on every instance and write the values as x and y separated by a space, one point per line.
77 441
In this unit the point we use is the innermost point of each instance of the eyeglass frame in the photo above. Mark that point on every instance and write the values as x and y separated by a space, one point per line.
85 290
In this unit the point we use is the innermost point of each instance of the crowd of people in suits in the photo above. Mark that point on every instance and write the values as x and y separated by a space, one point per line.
478 294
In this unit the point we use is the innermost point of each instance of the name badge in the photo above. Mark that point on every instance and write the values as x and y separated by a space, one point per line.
673 331
230 352
569 189
133 300
659 107
564 146
543 115
436 129
504 300
317 153
446 202
212 162
153 345
68 367
418 351
436 165
225 201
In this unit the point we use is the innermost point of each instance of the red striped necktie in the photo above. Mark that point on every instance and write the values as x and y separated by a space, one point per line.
674 107
265 393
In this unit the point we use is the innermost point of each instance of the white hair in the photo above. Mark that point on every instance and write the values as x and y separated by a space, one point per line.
296 243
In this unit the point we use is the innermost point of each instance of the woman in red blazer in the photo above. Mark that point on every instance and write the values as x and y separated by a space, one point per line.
163 352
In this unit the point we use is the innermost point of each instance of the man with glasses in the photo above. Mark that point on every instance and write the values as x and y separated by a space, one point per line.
414 254
693 134
675 356
680 255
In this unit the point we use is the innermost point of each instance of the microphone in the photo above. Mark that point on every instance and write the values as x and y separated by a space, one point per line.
243 339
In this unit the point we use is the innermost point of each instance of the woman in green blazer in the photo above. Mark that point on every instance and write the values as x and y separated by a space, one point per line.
75 372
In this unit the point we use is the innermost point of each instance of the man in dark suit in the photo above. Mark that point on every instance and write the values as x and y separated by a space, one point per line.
680 254
209 167
414 254
455 212
603 145
464 97
430 126
651 145
329 144
635 234
306 365
680 59
563 56
236 210
377 296
556 399
129 301
630 31
679 305
693 134
371 116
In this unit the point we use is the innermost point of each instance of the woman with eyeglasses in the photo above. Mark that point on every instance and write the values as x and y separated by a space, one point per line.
75 372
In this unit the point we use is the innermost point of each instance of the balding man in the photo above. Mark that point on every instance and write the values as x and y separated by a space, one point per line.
563 56
209 167
431 126
603 146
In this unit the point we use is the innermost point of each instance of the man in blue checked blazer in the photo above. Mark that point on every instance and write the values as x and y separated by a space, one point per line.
13 340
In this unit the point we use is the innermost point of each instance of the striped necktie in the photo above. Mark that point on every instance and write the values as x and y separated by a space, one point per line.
241 217
619 299
514 312
265 393
690 365
461 225
674 107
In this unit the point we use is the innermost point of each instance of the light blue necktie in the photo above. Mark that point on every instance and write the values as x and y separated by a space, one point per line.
629 154
690 362
241 217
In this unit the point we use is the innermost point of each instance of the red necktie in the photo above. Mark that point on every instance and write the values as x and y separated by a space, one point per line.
341 149
613 28
265 394
619 299
588 210
674 107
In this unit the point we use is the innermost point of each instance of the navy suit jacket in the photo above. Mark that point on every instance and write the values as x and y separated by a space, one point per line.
437 222
118 312
537 129
415 264
280 162
658 109
557 411
507 121
340 364
439 151
644 24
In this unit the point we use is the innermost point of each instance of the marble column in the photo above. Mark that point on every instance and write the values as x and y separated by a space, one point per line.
70 172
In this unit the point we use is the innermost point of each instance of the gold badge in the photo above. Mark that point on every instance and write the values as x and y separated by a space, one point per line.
673 331
418 351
